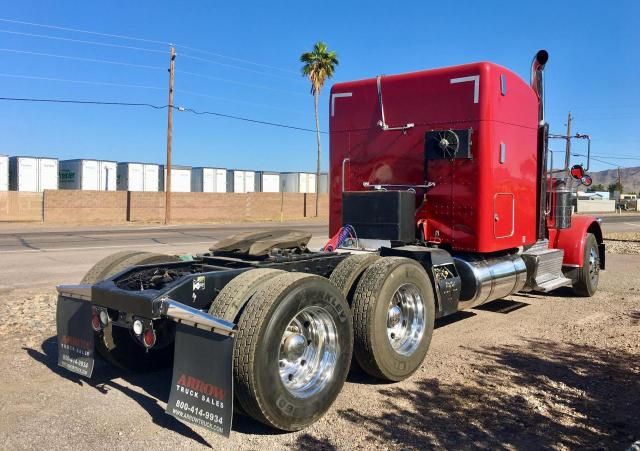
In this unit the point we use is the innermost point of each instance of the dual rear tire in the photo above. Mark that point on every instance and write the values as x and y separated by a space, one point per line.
293 346
393 308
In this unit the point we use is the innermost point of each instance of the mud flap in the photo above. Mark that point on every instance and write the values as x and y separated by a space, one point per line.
75 335
202 383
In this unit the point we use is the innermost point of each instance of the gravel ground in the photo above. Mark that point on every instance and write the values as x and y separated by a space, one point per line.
623 243
533 371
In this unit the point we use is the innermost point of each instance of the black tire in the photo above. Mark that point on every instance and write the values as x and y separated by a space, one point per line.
259 386
348 272
372 347
116 344
589 273
232 298
100 270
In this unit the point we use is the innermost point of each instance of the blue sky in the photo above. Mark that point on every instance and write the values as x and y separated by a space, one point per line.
594 71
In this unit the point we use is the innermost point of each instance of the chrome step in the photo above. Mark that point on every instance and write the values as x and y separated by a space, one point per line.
552 284
544 267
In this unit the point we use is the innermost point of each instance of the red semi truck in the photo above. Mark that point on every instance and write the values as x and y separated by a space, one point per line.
441 199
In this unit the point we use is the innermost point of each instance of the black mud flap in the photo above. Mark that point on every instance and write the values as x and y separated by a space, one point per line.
75 335
202 384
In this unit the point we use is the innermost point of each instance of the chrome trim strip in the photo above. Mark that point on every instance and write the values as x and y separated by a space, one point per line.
344 162
180 313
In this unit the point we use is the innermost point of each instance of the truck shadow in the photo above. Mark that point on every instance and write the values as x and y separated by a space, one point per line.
155 387
535 395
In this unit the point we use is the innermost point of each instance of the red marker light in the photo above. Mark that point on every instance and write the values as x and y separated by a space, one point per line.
95 320
149 338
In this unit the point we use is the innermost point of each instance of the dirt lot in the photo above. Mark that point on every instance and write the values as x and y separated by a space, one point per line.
531 372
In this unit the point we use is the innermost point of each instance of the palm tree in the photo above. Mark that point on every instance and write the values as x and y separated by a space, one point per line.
319 64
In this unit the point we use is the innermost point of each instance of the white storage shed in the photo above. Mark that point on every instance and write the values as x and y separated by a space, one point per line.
34 174
240 181
180 178
96 175
208 180
4 173
268 182
138 177
298 182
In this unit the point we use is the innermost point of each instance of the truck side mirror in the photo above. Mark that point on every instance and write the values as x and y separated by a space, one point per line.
577 172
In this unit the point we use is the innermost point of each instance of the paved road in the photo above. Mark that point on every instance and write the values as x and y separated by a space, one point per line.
621 223
40 258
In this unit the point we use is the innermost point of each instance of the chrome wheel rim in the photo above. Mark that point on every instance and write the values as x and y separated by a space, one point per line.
308 352
406 319
594 265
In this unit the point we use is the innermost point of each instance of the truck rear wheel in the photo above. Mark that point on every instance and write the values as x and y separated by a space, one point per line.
393 317
233 297
589 272
348 273
292 350
100 270
116 344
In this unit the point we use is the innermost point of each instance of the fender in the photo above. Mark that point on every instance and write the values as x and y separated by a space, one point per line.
572 240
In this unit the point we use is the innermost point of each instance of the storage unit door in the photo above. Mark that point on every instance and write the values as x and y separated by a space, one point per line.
311 183
107 175
48 174
4 173
90 175
27 173
270 183
238 182
136 177
249 182
221 181
208 180
151 179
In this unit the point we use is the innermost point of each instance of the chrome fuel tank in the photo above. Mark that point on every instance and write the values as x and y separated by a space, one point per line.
486 279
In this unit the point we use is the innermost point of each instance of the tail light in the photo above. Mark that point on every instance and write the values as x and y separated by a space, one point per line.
95 320
149 338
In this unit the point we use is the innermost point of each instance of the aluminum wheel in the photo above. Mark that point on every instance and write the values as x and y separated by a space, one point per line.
406 319
594 265
308 352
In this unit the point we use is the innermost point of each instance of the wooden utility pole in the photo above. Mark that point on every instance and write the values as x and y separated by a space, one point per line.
567 157
619 183
167 174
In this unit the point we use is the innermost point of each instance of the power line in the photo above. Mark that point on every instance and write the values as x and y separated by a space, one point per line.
142 49
87 82
82 41
255 121
233 66
158 107
76 30
615 157
78 58
245 102
594 158
134 38
83 102
250 85
206 52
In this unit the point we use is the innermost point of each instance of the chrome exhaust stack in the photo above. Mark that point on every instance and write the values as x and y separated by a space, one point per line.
537 80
